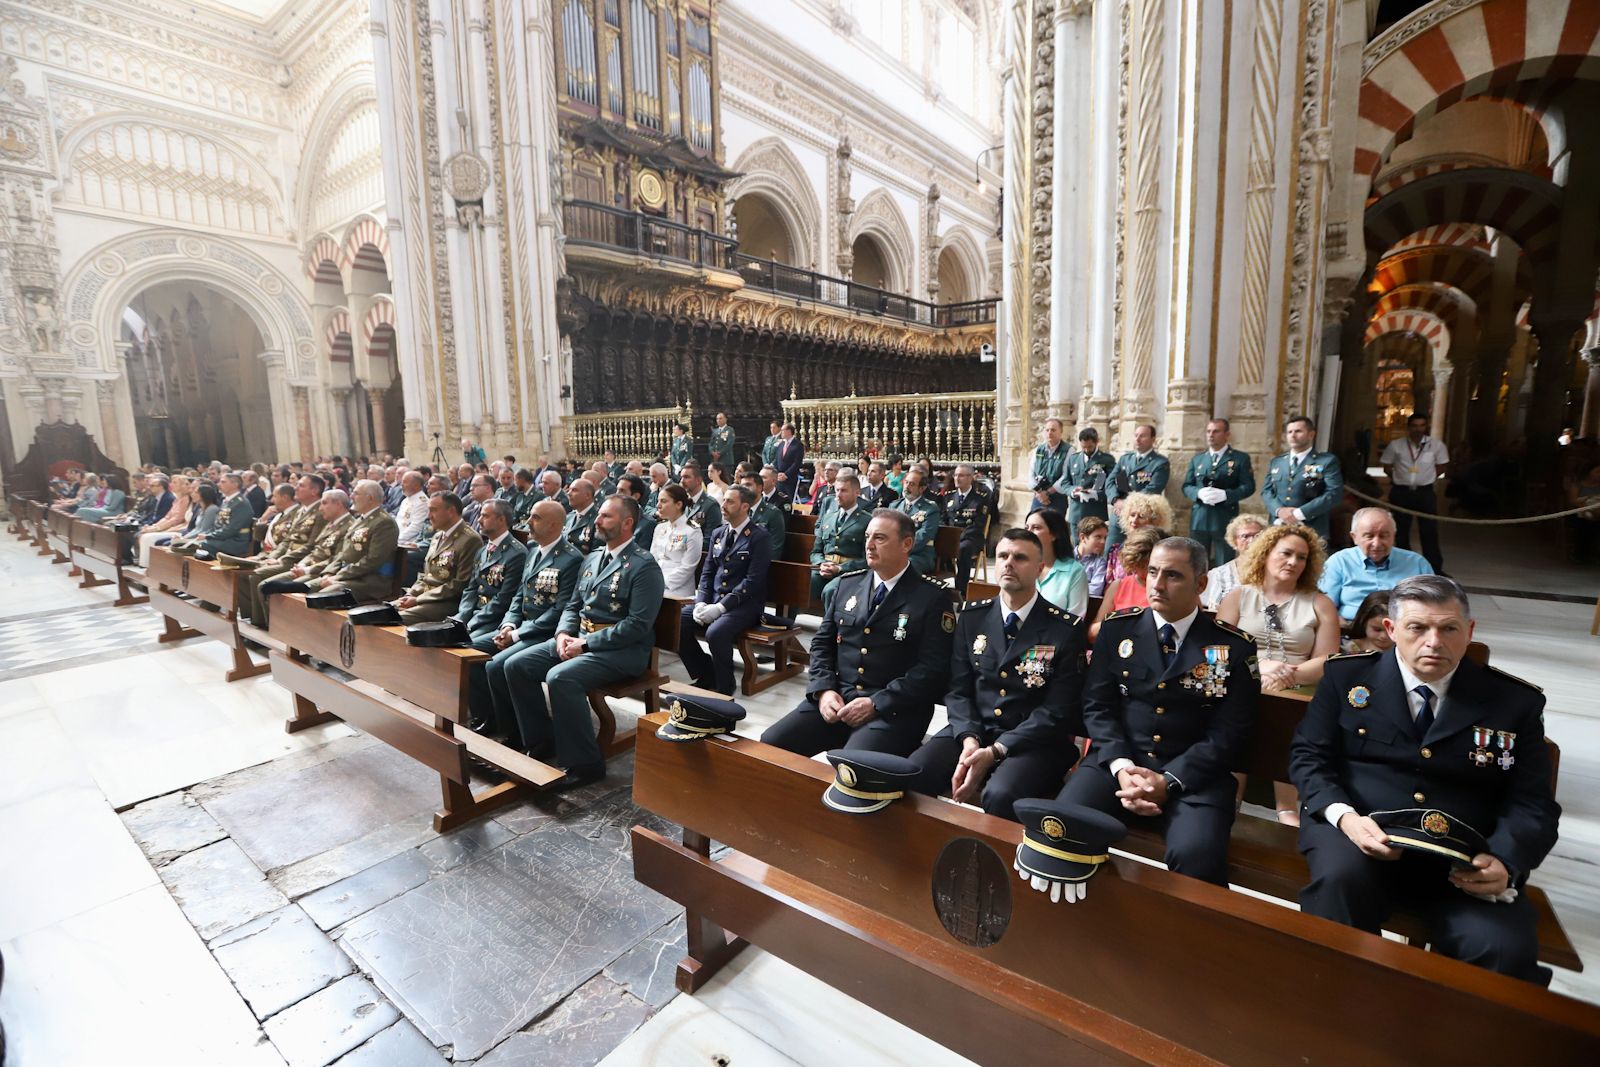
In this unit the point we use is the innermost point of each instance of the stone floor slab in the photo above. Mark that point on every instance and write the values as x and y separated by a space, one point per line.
649 969
353 857
402 1045
279 960
218 888
326 1025
344 900
580 1033
449 851
169 826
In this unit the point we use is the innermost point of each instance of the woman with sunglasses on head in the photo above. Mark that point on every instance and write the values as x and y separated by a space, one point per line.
1296 627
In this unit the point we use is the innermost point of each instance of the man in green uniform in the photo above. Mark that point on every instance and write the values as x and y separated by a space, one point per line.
366 565
496 578
581 519
722 441
337 521
1216 481
1303 485
703 510
767 514
1049 464
1143 470
769 448
840 547
1084 482
924 514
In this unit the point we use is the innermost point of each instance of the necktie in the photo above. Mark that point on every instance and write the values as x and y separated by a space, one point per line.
1425 716
605 560
1012 626
878 595
1294 466
1169 644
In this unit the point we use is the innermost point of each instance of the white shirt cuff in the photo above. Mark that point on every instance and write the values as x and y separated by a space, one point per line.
1334 812
1118 765
1299 516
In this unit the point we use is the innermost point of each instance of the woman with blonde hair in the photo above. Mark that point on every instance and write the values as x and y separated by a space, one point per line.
1139 511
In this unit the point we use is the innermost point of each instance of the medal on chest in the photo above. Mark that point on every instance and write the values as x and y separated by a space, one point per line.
1480 755
1035 665
1210 676
902 621
1508 741
980 643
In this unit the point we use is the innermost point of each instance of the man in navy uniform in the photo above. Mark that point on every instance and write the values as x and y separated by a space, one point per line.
732 594
1085 480
880 658
875 491
1303 485
1423 728
1168 706
497 576
1049 464
967 507
1144 470
1015 692
1217 479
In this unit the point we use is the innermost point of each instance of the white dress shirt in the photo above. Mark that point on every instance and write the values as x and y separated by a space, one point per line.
1181 627
1440 686
887 583
1414 466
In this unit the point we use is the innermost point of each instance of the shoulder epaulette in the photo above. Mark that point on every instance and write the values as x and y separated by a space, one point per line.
1061 613
1232 629
974 605
1514 678
935 582
1125 613
1352 655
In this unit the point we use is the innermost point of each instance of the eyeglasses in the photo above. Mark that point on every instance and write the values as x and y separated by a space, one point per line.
1274 621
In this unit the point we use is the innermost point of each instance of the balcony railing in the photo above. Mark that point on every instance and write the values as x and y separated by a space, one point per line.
644 433
945 427
607 227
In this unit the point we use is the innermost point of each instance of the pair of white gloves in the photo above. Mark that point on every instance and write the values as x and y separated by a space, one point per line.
1070 892
706 614
1212 495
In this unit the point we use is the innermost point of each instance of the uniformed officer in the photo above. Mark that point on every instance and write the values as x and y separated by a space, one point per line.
881 657
722 441
231 534
840 545
293 535
1084 481
632 485
875 491
615 468
1422 727
1049 464
1143 470
769 447
682 448
1015 699
550 489
450 563
822 498
924 513
1169 704
968 507
1217 479
480 490
365 565
658 481
732 593
604 484
526 495
703 510
768 512
605 636
549 574
508 490
496 578
1303 485
335 509
580 521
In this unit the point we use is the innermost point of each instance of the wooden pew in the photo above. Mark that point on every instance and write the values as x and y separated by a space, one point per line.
98 551
428 723
946 549
977 590
38 515
21 523
169 574
796 523
58 535
1152 967
797 547
788 587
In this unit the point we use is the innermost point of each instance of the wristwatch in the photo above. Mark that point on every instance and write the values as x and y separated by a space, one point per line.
1174 787
999 751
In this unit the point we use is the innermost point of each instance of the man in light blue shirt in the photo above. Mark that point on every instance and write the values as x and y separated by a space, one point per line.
1374 563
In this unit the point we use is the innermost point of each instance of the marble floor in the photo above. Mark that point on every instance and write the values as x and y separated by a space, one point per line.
200 887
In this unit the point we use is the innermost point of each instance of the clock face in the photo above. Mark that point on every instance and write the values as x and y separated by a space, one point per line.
651 191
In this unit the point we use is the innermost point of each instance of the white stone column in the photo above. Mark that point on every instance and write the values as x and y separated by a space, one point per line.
1104 218
127 427
283 431
1076 123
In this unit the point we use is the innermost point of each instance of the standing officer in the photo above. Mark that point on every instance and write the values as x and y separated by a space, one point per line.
1414 463
769 447
1303 485
1217 479
337 520
1015 700
968 506
1169 703
605 636
1420 738
882 701
495 580
450 564
549 574
580 523
722 441
365 565
773 519
1144 470
840 546
703 509
732 594
1049 464
924 513
1084 482
682 449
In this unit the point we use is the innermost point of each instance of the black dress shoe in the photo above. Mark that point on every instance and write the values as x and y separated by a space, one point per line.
581 775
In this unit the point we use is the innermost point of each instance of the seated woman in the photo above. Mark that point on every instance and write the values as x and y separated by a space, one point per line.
1091 553
1222 580
1296 626
1366 632
676 543
717 483
110 502
1062 579
1138 511
1129 590
178 516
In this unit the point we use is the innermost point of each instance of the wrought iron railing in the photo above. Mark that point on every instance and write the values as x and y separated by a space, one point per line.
608 227
944 427
641 434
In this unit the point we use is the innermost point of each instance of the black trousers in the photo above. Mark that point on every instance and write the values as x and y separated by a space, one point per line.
714 671
1025 774
1420 498
804 732
1352 888
1195 828
966 557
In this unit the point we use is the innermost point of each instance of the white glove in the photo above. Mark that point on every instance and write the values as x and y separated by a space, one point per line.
699 613
1070 892
712 614
1212 495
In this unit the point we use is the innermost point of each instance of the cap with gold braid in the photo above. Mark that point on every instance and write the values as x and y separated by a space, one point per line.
1431 831
694 717
864 782
1063 845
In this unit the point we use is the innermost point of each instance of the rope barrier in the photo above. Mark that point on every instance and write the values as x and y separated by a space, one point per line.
1386 505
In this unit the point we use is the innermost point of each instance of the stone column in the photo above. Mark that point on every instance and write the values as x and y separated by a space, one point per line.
1589 426
127 423
1143 214
344 439
1016 427
105 391
1105 220
1498 331
283 430
1071 180
380 431
1546 406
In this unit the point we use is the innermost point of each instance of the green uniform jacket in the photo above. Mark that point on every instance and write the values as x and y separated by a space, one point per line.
682 452
776 523
705 512
235 519
1086 472
842 539
769 450
722 445
1315 488
579 528
623 597
925 513
327 545
365 565
1231 473
299 532
1138 474
547 585
493 585
1048 466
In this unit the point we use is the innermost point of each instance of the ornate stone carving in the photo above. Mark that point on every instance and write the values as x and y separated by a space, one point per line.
843 206
770 168
1040 202
1309 208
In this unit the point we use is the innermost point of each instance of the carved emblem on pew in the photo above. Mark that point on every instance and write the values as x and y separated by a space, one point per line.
972 892
186 574
347 644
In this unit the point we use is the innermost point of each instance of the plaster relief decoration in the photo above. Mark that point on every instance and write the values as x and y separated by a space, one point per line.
30 309
843 206
769 168
1313 152
466 179
1040 206
880 217
930 241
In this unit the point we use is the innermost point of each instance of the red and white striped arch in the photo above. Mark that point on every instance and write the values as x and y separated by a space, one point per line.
322 260
366 247
1445 302
1462 234
1469 269
1423 324
377 329
337 335
1525 207
1434 57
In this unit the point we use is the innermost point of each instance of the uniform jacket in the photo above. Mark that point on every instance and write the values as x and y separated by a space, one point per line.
579 528
1231 473
450 564
235 518
705 512
769 449
775 520
1316 488
908 638
1134 473
735 573
842 540
883 496
1483 760
722 444
970 512
365 563
1088 472
681 453
1048 464
622 596
328 544
925 514
544 591
1164 718
297 533
1026 694
645 533
494 583
559 498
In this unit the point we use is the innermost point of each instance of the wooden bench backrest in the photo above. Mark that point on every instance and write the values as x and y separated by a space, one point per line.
797 547
197 577
789 585
800 524
947 543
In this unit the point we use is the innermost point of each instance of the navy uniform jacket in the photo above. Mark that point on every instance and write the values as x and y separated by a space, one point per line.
645 533
1357 745
1134 473
579 529
883 496
898 655
235 519
489 592
1026 694
1316 488
1171 719
735 574
969 511
1231 473
705 512
543 592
